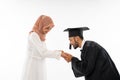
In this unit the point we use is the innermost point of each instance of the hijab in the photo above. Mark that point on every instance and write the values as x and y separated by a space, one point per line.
41 22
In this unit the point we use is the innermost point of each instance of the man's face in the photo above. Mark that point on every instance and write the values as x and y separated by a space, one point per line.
73 42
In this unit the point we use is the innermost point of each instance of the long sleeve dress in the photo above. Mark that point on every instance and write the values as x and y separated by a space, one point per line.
35 68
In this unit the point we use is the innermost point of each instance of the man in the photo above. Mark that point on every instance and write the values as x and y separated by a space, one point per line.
95 63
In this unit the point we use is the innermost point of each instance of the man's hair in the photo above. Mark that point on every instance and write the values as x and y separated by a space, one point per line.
81 37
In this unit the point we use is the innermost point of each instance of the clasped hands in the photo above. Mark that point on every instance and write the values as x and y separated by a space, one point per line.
66 56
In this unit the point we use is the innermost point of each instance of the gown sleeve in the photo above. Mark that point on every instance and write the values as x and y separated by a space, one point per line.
86 65
75 68
43 51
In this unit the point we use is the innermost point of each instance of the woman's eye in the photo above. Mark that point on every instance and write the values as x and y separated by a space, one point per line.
48 27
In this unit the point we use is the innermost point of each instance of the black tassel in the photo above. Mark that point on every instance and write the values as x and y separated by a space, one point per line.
70 46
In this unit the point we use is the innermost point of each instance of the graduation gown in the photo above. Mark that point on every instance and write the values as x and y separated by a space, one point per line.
95 63
37 52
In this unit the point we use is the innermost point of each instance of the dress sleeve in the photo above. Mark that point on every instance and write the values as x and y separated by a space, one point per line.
43 51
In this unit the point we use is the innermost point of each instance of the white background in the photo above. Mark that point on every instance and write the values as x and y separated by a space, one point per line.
18 16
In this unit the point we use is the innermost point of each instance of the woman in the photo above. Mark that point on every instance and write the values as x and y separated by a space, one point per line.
37 52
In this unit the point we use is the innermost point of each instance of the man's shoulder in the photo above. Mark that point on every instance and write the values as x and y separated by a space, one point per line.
90 43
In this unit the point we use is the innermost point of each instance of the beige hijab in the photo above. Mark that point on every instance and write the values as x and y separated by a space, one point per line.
41 22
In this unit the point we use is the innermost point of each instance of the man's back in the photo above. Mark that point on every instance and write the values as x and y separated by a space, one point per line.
95 63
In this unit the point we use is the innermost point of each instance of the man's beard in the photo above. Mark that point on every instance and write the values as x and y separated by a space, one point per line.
76 45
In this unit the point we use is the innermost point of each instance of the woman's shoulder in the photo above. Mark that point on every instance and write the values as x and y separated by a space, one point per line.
33 35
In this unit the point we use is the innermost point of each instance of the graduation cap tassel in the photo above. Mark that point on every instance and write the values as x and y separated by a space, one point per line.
70 46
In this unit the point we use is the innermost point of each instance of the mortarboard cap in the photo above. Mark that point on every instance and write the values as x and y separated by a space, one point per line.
78 31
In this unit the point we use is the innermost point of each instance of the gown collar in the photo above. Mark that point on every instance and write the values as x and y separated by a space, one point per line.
83 42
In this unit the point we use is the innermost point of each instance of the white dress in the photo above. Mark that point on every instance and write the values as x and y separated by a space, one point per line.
35 68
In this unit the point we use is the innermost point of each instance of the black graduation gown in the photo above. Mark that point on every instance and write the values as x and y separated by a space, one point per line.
95 63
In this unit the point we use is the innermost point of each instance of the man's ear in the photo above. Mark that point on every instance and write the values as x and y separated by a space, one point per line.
77 38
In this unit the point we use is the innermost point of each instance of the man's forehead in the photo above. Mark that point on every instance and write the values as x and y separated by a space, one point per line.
71 38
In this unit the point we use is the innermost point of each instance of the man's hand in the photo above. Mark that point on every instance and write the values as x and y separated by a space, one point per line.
66 56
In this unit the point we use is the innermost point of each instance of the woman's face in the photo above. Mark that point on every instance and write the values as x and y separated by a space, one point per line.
47 28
